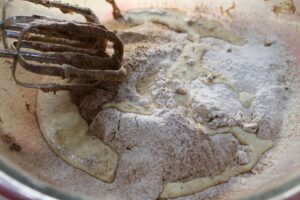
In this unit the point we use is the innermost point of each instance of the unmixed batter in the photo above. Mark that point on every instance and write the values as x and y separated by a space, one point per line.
200 105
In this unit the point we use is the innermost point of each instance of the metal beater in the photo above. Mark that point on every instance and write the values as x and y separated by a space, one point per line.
68 49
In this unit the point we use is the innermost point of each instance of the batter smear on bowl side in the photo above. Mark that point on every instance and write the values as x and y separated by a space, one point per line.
200 104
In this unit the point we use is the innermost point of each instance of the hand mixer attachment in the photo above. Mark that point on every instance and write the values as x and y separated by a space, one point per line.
69 49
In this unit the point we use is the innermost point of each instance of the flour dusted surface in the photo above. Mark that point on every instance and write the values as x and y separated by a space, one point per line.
156 124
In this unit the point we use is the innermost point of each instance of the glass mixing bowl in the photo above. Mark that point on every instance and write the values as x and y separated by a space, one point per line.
24 175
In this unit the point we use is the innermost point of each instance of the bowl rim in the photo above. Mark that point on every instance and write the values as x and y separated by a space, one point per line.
9 173
41 190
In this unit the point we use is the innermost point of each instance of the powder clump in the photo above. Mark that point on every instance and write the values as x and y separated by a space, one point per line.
169 124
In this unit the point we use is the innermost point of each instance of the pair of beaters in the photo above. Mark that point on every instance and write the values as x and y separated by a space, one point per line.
56 47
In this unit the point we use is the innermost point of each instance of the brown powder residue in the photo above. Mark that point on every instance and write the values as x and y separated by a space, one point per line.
11 142
27 106
286 7
202 156
132 37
